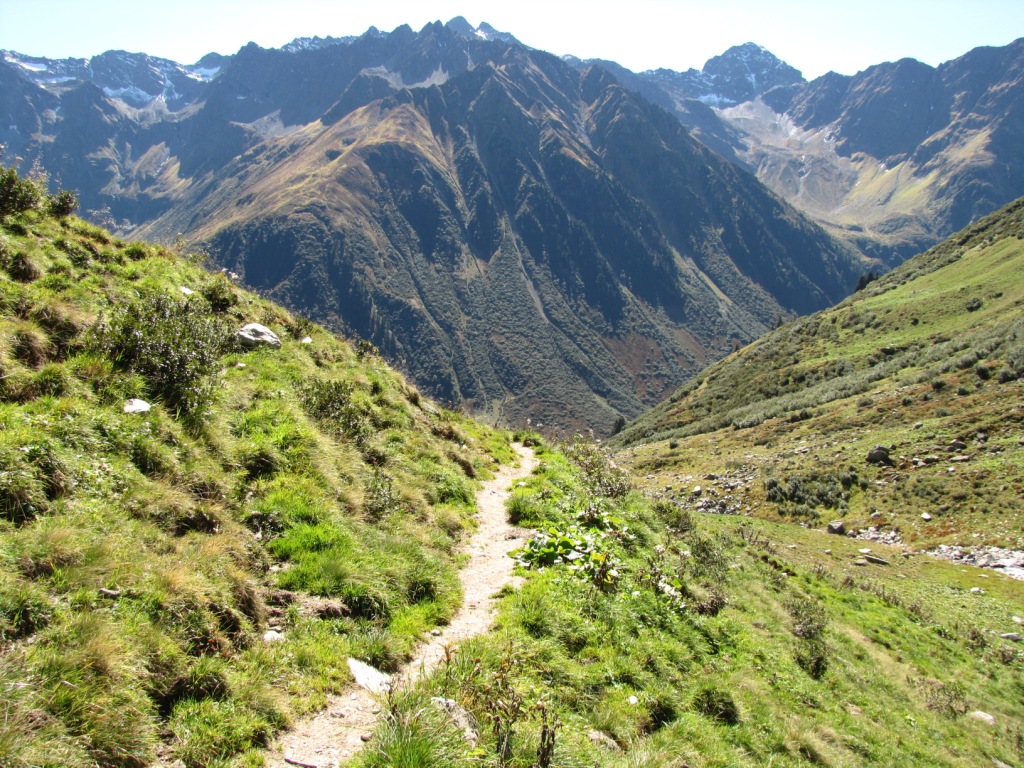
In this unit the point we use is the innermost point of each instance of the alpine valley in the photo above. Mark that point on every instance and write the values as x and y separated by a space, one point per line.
527 236
232 538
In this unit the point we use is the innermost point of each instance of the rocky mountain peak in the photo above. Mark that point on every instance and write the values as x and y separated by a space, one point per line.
746 71
485 31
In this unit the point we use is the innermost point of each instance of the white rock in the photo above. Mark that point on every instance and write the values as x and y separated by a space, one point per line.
977 591
272 636
1014 636
982 717
255 335
137 406
185 291
369 678
925 516
307 340
634 700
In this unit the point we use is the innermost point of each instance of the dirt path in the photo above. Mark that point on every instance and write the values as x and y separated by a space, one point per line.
335 734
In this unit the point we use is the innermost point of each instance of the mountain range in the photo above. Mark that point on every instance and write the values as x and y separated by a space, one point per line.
532 237
892 159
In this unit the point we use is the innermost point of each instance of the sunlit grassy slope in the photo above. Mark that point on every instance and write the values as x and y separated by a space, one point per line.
651 635
925 361
306 489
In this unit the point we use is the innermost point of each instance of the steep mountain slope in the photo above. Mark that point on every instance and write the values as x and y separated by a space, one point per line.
925 362
893 159
521 237
305 488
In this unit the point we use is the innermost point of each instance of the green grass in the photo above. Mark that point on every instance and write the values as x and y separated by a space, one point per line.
715 644
313 490
142 557
930 353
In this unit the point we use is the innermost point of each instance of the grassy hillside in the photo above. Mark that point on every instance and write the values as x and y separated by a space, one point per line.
306 489
649 635
925 361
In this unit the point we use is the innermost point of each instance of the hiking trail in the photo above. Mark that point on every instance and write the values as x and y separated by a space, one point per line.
335 734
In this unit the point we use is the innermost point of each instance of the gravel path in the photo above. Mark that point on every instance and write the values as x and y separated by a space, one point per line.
335 734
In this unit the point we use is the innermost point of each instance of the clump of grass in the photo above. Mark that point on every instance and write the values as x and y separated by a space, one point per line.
717 704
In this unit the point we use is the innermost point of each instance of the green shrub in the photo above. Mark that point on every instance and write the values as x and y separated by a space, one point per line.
17 194
220 293
174 345
600 474
809 623
62 204
330 402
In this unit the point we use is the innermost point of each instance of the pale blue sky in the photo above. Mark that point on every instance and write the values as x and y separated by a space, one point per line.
813 36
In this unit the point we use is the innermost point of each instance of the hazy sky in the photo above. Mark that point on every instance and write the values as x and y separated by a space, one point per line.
813 36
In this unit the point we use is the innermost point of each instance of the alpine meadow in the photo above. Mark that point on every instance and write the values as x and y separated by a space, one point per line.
426 399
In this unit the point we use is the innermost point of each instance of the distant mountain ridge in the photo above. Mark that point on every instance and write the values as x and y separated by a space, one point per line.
892 159
431 190
525 238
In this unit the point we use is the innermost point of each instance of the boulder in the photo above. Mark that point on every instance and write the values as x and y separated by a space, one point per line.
838 527
256 335
982 717
604 740
137 406
876 560
369 678
879 455
1014 636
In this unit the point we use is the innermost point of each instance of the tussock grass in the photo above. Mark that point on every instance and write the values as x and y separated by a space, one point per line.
802 661
142 557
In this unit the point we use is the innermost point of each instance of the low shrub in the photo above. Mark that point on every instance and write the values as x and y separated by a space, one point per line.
173 344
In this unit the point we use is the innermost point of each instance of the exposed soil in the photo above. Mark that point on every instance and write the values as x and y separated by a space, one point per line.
335 734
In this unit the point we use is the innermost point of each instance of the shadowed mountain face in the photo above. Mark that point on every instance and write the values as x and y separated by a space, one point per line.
523 237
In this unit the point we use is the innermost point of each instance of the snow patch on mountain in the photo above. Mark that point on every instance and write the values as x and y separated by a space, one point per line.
130 95
31 66
315 43
203 75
